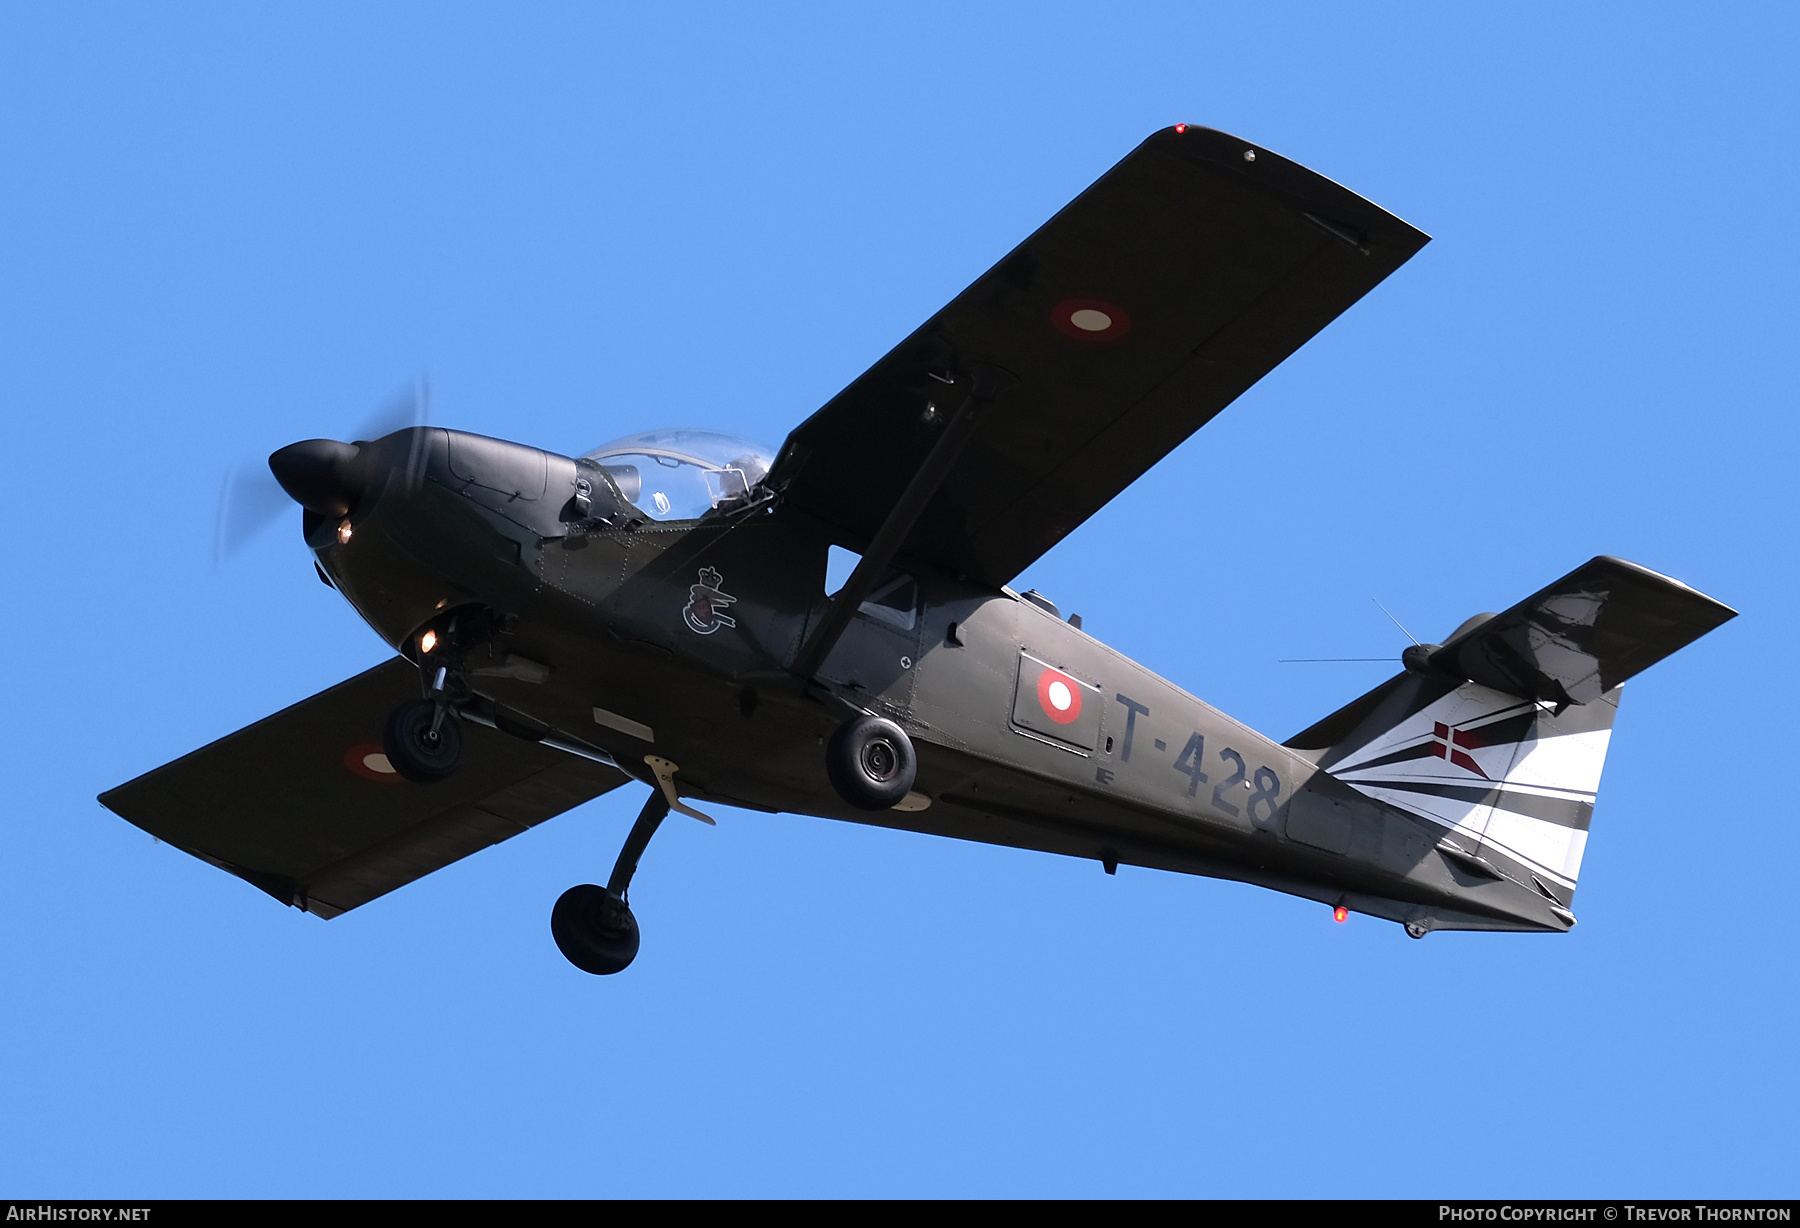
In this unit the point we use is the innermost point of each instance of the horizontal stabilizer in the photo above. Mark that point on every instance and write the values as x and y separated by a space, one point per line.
1583 635
304 805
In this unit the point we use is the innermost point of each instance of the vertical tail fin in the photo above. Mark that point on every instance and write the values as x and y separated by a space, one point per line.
1512 781
1498 736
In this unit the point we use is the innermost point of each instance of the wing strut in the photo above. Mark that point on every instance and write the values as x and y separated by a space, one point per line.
899 523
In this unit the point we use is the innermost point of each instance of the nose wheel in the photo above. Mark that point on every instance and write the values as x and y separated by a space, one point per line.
423 740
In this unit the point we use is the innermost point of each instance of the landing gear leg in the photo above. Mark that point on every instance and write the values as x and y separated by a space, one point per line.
593 926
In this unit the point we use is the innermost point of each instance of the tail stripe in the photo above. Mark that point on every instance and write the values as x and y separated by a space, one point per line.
1513 777
1574 810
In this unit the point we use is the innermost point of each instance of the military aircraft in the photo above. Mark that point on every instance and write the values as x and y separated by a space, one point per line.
657 611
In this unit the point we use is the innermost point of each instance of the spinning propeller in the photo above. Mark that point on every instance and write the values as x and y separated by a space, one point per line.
319 474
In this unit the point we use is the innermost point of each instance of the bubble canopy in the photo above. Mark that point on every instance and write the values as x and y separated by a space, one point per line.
681 473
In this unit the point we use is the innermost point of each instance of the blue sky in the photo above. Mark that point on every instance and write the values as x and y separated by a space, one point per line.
226 228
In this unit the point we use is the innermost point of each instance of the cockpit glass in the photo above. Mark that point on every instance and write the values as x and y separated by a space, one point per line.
682 473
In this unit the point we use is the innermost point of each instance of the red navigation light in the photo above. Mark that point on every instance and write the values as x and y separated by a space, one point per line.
1339 913
1181 127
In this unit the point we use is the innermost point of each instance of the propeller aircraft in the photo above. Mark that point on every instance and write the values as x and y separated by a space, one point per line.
656 611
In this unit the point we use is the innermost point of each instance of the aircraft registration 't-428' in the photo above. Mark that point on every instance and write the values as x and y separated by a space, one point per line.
657 610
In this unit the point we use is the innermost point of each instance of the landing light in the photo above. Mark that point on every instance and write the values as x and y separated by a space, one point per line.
428 641
1339 914
343 533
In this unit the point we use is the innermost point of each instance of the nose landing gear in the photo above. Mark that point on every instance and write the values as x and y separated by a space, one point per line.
423 740
423 737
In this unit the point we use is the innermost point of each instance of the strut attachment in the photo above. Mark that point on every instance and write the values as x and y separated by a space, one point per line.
900 521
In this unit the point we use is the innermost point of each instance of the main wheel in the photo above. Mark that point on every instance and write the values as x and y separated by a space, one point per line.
417 750
871 762
594 929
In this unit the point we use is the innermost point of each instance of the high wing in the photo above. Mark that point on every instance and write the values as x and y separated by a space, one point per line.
292 805
1130 319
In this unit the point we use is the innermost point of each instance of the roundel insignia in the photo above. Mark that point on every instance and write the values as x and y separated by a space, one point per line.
1059 695
1090 319
369 761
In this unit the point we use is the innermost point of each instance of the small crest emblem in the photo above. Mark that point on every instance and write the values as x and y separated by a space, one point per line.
704 612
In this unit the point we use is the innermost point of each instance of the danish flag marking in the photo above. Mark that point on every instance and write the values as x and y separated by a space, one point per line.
1454 745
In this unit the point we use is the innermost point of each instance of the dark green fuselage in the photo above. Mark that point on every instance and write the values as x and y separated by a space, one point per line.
606 636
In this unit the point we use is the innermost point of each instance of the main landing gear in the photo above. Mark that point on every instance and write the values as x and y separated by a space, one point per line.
593 926
871 762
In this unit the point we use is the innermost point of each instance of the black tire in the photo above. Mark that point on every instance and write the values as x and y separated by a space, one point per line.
416 752
871 762
594 929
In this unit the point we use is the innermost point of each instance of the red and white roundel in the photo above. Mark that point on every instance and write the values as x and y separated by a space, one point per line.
1059 696
1090 319
370 762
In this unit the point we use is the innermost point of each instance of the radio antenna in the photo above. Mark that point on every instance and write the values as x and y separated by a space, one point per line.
1403 631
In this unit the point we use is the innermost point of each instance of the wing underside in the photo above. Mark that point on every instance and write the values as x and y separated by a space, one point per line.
302 803
1119 328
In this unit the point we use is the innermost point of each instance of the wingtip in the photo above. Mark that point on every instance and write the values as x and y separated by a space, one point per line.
1615 561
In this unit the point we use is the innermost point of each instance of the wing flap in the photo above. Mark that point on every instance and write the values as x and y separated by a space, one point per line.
292 805
1124 324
